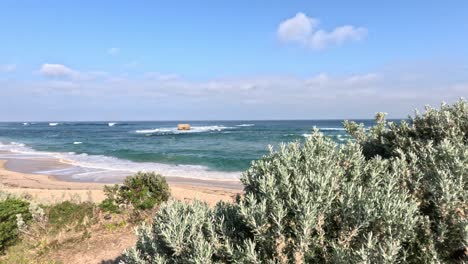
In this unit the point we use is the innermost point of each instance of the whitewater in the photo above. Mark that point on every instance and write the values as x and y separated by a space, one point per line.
103 150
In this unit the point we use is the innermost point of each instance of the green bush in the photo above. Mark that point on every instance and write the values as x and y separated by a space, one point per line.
109 205
435 146
142 191
387 139
9 208
69 214
396 193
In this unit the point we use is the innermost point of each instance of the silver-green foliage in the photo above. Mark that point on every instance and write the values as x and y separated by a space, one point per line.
367 201
435 146
323 203
316 202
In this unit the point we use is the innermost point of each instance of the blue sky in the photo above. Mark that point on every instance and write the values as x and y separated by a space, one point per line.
139 60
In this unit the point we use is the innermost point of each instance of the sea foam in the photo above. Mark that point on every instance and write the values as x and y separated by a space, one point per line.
53 124
105 168
17 144
150 131
174 130
111 124
331 128
245 125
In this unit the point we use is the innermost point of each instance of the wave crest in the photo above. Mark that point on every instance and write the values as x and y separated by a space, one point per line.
105 168
331 128
174 130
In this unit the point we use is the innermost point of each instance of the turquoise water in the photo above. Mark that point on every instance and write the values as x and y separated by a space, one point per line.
219 149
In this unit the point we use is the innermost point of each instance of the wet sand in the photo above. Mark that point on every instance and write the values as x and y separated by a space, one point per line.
16 177
31 166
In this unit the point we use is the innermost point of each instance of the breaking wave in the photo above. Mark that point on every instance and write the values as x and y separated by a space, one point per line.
104 168
174 130
331 128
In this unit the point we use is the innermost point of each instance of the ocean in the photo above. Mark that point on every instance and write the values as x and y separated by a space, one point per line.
211 149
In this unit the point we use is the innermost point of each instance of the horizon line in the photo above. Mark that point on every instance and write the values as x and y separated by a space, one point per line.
195 120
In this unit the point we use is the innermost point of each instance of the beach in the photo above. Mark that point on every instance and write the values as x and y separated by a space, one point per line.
219 150
53 161
48 189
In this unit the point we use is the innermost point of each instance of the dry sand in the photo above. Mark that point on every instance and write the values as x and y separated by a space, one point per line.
102 246
48 189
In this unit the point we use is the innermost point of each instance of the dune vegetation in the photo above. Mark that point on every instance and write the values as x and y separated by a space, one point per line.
78 231
395 193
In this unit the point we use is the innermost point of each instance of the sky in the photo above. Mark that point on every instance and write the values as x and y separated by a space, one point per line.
220 60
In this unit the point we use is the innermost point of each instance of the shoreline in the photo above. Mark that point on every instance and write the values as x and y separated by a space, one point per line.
50 189
31 165
69 166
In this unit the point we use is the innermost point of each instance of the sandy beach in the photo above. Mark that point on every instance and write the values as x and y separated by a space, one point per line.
49 189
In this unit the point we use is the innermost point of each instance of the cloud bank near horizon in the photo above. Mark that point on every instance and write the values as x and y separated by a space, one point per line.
70 94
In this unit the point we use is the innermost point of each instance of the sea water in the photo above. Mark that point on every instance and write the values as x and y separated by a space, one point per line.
211 149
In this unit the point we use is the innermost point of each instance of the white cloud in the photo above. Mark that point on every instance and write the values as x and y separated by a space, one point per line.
322 39
51 70
113 51
8 68
320 79
365 78
297 28
322 95
304 30
272 89
57 70
319 89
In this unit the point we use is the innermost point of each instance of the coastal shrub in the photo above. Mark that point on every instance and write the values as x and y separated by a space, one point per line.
109 205
435 146
9 209
70 214
317 203
142 191
370 200
434 126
